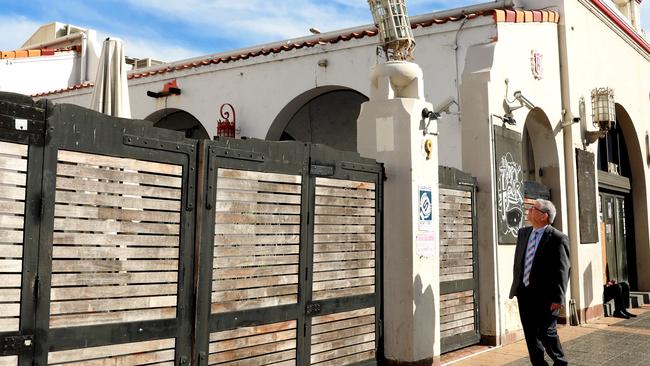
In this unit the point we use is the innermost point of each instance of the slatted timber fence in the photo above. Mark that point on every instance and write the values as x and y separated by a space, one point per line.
293 274
13 182
115 241
458 260
123 244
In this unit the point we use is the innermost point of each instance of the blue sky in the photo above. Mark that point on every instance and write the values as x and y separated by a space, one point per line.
175 30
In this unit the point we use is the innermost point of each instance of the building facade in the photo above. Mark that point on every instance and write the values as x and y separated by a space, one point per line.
514 87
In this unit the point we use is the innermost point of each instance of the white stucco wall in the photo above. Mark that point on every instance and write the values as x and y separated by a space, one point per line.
260 87
512 61
484 90
598 56
29 75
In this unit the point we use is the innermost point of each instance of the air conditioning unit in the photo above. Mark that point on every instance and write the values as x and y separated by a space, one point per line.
146 62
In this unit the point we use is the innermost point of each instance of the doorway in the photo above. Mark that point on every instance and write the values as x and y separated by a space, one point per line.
614 228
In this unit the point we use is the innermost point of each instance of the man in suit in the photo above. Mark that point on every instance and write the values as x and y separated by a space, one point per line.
541 273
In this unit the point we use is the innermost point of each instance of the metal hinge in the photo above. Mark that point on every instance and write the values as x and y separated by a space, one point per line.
12 345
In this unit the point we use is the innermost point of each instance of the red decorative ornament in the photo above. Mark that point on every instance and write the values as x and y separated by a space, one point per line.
226 127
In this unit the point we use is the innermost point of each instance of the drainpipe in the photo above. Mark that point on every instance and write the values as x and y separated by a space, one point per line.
569 168
83 65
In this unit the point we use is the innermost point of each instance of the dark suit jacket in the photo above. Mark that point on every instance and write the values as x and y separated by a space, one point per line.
550 271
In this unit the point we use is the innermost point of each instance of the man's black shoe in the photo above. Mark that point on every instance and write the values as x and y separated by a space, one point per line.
629 314
620 314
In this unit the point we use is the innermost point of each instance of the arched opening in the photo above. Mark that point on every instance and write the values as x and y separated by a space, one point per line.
540 162
325 115
179 120
623 208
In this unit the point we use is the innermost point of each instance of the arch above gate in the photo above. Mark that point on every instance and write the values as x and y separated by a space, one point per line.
179 120
324 115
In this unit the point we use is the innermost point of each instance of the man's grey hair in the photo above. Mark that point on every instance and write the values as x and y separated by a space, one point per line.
547 207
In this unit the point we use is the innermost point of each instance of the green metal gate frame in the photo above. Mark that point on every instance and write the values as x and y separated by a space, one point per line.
50 128
455 179
309 161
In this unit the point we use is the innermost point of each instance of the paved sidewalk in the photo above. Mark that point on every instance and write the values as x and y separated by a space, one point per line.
605 341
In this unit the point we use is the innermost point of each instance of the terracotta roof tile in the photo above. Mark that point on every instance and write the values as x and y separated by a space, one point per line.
70 88
36 52
498 15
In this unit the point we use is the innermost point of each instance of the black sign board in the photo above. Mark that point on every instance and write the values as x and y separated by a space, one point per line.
509 184
588 217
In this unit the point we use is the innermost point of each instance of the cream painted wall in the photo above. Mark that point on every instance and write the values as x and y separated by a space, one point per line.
260 87
29 75
483 91
512 61
600 57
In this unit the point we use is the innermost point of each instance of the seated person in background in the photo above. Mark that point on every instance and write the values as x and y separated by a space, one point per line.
620 292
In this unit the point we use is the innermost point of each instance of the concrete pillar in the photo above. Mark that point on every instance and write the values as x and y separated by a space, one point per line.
392 130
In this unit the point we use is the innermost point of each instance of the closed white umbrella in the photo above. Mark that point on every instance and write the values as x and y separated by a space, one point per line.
111 92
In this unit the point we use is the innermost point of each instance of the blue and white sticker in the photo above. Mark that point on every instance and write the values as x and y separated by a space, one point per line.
425 213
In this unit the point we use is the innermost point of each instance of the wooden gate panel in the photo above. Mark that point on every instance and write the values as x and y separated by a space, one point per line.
456 231
270 344
13 180
159 352
456 313
458 261
344 239
343 338
9 361
114 261
257 240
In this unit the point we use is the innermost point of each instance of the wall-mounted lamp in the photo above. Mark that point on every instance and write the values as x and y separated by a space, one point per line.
429 116
509 108
603 112
395 34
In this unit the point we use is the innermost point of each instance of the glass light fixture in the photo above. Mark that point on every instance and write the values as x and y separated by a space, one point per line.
395 35
603 113
603 108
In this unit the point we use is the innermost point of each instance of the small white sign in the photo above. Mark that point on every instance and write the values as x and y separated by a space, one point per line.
385 134
426 245
425 209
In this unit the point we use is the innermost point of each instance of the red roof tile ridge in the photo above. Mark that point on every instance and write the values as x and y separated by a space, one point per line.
88 84
332 37
35 52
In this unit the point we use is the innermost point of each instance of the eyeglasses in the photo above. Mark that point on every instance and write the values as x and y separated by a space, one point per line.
536 209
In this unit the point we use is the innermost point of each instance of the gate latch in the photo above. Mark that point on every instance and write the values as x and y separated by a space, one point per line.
313 308
11 345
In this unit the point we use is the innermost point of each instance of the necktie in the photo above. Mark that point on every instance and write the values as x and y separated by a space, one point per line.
530 255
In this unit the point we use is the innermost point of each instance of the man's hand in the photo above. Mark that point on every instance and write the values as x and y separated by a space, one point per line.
555 306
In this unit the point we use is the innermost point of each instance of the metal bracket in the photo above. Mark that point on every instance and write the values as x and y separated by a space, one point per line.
321 170
375 168
12 345
22 130
172 146
237 154
313 308
212 173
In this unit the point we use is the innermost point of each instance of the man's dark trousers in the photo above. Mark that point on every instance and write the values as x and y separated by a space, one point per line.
540 328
